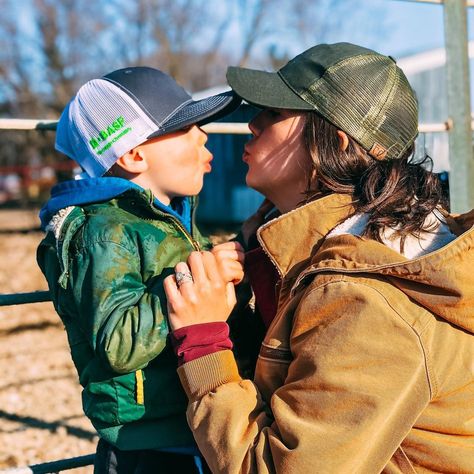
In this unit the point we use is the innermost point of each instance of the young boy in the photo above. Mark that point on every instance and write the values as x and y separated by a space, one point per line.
110 243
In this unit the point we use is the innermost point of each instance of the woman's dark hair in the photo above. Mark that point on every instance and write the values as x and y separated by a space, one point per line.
398 193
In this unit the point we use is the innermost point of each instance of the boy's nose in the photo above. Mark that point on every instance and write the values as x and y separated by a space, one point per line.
202 135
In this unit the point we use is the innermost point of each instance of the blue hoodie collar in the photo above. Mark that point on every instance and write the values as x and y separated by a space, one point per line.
93 190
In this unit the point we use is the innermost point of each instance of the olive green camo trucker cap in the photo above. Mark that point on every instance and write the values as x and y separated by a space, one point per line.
358 90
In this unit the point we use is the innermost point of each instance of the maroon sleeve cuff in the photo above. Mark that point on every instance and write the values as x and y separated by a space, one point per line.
198 340
263 277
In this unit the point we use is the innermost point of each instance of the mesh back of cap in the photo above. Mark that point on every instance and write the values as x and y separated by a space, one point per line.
369 98
99 125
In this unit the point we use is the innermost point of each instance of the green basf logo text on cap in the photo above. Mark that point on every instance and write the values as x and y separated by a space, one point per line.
104 135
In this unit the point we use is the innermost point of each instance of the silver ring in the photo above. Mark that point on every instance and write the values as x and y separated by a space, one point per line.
183 277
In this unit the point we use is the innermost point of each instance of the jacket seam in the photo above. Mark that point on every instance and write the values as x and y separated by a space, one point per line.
429 365
116 401
100 241
343 279
275 361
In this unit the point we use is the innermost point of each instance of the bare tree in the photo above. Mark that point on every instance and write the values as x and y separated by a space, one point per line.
273 25
44 56
56 45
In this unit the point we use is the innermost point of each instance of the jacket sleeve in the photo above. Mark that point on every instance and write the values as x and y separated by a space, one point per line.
121 315
354 389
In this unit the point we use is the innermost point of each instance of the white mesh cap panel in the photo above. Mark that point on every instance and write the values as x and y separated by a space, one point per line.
101 124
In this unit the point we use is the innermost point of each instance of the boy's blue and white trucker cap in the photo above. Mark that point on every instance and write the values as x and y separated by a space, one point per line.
111 115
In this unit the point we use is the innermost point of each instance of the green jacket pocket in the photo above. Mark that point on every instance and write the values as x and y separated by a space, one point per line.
113 401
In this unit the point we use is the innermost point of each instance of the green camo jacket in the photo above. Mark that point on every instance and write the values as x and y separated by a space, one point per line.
105 264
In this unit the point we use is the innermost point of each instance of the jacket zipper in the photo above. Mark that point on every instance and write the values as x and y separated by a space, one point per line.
195 244
192 241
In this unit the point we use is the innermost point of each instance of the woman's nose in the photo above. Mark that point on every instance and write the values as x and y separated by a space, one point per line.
252 128
255 125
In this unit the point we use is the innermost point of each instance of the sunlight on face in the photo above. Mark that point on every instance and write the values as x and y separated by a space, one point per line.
277 156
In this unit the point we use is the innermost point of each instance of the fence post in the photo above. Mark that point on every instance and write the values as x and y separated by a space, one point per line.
461 158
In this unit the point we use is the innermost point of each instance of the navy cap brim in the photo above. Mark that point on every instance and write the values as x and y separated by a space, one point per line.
200 112
264 89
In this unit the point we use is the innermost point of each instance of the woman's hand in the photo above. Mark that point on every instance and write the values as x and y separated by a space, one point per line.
230 261
206 297
250 226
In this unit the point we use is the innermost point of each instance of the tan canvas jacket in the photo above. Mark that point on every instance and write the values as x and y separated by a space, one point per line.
367 367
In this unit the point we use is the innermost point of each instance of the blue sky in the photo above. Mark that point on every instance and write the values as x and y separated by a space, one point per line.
398 28
415 27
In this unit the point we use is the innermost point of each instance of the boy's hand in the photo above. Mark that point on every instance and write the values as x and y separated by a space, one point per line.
201 295
230 261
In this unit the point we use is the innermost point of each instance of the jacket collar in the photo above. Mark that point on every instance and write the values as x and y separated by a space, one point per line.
88 191
295 236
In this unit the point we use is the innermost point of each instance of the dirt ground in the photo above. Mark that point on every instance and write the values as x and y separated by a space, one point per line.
40 406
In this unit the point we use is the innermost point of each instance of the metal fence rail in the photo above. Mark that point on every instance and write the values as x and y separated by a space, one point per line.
45 124
53 466
24 298
215 127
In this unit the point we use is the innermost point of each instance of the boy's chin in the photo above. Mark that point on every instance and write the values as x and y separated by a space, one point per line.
191 193
190 189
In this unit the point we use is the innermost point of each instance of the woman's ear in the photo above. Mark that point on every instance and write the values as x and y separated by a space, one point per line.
343 140
134 161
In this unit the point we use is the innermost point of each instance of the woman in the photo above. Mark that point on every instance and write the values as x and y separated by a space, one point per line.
367 365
